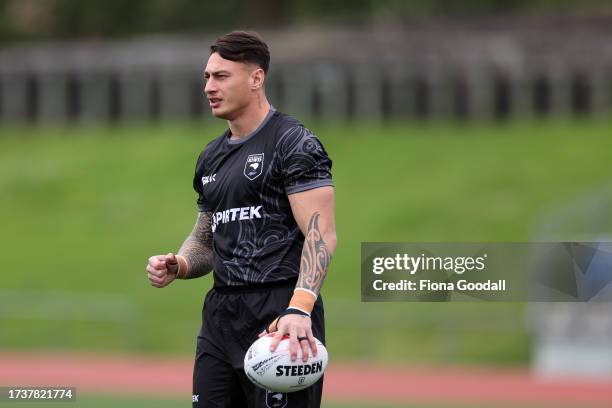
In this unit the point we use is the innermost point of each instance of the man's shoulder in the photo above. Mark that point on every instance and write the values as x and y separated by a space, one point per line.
211 147
285 122
215 144
285 119
290 131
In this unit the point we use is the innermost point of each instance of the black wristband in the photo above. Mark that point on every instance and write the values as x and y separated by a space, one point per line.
291 310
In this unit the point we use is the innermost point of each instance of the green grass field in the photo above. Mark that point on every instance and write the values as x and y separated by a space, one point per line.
83 207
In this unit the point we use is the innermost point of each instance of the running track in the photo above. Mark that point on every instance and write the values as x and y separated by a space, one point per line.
345 382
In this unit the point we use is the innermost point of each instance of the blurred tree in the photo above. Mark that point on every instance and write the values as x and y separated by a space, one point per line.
34 19
100 18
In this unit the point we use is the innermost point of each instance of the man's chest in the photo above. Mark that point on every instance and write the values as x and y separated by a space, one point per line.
237 176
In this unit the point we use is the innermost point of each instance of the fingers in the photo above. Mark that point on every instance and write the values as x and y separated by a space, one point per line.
170 258
303 341
275 340
160 282
157 281
311 342
298 327
157 262
157 271
293 343
158 285
171 263
273 326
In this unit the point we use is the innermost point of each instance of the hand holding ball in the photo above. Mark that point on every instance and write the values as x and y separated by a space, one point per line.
275 371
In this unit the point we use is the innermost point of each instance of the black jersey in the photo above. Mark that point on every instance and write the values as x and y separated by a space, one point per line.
244 184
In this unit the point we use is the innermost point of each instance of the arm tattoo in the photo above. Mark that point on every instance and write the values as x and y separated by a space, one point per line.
315 258
197 248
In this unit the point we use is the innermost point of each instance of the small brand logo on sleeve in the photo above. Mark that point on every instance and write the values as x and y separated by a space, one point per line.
208 179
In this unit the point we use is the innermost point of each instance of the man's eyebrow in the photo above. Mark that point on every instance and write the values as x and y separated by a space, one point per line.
216 72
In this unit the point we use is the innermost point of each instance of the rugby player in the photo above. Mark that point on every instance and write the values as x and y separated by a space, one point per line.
265 227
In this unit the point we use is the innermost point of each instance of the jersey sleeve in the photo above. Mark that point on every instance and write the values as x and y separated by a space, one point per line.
198 185
305 163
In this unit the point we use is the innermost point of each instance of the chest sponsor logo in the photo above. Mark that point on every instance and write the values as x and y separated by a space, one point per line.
254 166
235 214
208 179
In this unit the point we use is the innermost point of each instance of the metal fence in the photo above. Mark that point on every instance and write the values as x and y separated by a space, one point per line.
419 74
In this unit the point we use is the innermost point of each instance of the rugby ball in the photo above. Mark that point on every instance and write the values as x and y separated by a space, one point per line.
275 371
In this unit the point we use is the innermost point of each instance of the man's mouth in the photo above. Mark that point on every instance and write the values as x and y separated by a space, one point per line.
214 102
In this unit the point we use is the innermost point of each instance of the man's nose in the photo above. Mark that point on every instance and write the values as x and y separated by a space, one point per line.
209 87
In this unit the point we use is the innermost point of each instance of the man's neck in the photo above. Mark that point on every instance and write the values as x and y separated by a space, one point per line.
250 120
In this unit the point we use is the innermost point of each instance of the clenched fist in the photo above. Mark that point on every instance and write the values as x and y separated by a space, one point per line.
162 270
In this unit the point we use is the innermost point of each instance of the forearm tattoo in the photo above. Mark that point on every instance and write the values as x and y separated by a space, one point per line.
198 248
315 258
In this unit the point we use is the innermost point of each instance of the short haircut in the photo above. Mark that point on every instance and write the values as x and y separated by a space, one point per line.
243 46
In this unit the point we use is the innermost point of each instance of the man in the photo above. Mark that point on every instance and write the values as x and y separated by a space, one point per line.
265 226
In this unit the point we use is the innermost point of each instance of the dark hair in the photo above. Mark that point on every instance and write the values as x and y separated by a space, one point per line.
243 46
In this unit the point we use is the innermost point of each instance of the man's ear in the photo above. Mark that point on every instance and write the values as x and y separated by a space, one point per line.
257 79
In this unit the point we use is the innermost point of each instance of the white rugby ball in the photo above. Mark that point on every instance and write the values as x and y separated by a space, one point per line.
275 371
